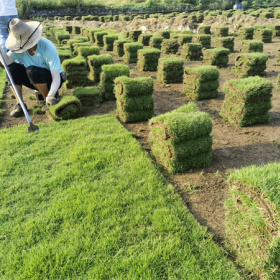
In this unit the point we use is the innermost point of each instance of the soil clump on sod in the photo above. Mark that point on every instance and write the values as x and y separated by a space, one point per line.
203 190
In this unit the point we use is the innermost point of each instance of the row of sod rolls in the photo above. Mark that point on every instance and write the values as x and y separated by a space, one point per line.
247 101
201 82
217 56
181 139
134 98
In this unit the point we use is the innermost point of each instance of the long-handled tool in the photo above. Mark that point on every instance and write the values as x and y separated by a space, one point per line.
32 127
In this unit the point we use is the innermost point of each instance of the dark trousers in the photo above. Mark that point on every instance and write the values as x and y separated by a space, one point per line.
30 75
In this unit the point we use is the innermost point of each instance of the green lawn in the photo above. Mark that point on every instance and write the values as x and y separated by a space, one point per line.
81 200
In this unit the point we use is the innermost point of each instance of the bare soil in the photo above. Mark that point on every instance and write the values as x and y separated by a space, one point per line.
203 190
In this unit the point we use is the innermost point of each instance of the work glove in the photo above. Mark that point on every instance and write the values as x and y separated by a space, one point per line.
51 100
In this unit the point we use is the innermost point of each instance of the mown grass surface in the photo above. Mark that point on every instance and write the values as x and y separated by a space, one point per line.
81 200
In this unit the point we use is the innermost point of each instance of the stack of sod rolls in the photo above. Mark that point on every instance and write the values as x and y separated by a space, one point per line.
77 45
225 42
192 51
76 29
130 52
181 139
88 96
218 56
169 46
109 42
201 82
72 42
249 64
204 40
165 34
246 33
144 39
170 70
91 33
148 59
249 46
155 42
204 29
133 35
265 35
118 47
98 37
107 77
134 98
275 29
64 53
87 51
183 39
252 220
68 28
95 62
247 101
62 35
222 31
68 107
77 72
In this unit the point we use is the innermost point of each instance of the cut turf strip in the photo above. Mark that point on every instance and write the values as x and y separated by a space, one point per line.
81 200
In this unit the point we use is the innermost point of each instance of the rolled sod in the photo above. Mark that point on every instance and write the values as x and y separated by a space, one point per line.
76 29
264 35
201 82
145 39
109 42
169 46
134 98
118 47
107 77
91 33
148 59
155 42
217 56
71 42
88 96
170 70
204 29
204 40
134 35
98 37
165 34
246 33
68 107
222 31
64 53
77 45
77 72
249 46
62 35
183 39
249 64
225 42
95 62
87 51
131 51
181 139
247 101
192 51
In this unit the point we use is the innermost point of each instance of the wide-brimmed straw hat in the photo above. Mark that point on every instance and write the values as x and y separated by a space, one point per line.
23 35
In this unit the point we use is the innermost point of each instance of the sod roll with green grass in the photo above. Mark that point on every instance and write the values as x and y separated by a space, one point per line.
62 35
134 98
88 96
95 62
192 51
246 33
107 77
64 53
87 51
184 38
77 72
98 37
181 139
165 34
247 101
155 42
249 46
170 70
217 56
131 51
204 29
225 42
98 210
68 107
118 47
76 29
222 31
201 82
249 64
144 39
169 46
148 59
91 33
264 35
77 45
134 35
252 220
204 40
109 42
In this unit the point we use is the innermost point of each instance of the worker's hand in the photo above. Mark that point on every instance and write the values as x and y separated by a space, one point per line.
51 100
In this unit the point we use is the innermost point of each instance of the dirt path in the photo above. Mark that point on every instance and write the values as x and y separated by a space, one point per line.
203 190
